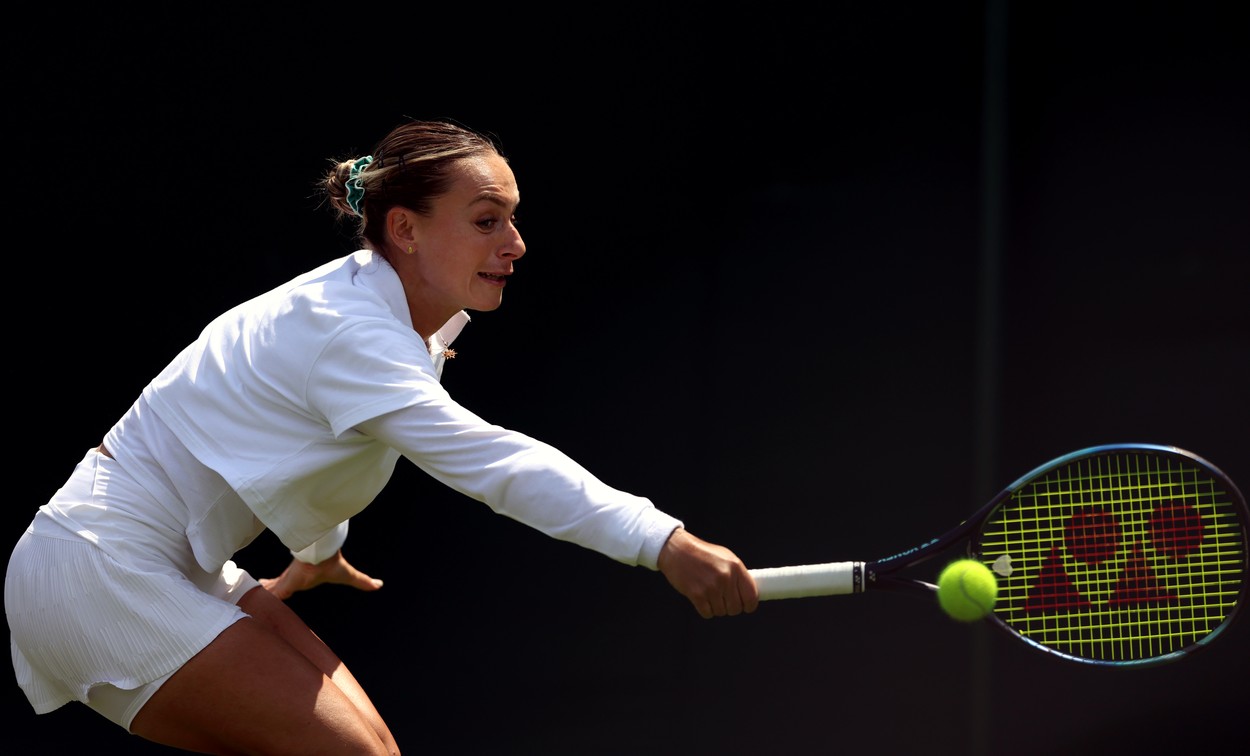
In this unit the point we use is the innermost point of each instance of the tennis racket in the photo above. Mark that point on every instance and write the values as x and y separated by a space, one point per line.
1118 555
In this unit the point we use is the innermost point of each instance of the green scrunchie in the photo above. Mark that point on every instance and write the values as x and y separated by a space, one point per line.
355 189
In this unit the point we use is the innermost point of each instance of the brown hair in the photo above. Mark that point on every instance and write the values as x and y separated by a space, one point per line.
410 168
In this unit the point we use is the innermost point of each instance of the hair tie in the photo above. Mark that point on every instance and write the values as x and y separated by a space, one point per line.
355 189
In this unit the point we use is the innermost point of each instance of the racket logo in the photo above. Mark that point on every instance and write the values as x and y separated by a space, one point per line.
1093 536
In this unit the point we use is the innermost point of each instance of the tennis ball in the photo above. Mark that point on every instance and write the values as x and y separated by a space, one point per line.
967 590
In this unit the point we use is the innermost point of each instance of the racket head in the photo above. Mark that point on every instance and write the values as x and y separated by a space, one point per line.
1118 555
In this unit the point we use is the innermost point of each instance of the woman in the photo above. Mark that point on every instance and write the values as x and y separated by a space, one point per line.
289 412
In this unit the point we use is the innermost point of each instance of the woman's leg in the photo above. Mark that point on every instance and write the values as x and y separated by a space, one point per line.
265 685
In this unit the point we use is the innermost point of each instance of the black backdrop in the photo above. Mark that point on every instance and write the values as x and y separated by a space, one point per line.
816 284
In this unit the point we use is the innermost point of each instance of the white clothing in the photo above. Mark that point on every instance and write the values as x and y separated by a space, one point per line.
288 412
85 609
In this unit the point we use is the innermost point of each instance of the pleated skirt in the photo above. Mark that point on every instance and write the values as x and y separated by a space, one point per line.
103 588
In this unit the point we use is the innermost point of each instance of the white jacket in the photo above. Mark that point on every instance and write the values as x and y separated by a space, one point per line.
290 411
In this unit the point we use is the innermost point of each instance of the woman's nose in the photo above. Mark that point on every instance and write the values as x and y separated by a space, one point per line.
514 248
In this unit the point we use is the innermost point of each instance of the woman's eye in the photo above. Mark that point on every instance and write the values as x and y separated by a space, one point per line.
490 224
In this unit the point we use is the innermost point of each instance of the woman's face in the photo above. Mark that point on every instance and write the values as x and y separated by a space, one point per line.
464 249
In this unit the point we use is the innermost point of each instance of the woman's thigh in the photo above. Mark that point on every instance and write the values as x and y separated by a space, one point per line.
262 605
268 685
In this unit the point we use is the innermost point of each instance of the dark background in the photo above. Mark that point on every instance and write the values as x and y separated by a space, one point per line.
816 283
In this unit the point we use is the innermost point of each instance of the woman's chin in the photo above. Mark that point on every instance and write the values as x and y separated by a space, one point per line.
485 304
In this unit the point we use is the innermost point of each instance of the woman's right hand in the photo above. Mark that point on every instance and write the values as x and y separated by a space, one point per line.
712 577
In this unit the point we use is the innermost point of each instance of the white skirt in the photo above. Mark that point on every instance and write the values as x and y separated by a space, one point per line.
85 609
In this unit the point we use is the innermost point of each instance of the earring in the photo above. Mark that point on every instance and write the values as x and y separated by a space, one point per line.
410 250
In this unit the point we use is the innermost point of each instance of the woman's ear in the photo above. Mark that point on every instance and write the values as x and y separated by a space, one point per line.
401 227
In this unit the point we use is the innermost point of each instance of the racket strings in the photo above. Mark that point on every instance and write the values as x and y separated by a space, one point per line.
1118 557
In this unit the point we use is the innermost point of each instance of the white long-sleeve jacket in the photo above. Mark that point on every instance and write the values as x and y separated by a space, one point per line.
290 411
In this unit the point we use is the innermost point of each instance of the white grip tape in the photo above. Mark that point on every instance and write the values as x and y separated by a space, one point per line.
805 580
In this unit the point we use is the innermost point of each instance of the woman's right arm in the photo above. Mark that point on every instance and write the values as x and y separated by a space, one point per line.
524 479
712 577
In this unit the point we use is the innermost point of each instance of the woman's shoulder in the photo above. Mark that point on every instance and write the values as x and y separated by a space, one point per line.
359 285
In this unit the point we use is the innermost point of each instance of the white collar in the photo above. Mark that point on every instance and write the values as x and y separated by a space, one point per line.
377 275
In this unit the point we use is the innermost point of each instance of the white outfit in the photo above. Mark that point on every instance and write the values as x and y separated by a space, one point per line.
289 412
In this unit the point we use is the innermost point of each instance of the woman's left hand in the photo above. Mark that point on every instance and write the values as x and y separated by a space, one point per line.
300 576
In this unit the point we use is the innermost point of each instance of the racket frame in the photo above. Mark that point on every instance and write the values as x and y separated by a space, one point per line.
840 578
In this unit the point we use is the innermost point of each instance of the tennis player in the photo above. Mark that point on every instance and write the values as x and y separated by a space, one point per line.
289 413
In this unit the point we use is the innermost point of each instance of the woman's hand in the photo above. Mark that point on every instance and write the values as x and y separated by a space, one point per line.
712 577
300 576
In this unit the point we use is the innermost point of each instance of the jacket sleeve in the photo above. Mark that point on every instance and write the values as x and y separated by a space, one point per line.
324 547
525 479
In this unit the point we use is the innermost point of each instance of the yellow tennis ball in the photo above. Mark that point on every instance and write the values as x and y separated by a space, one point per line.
967 590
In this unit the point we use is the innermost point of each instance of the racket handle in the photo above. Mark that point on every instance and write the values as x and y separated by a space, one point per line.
801 581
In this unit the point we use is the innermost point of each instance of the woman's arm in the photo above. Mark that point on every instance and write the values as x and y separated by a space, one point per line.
712 577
